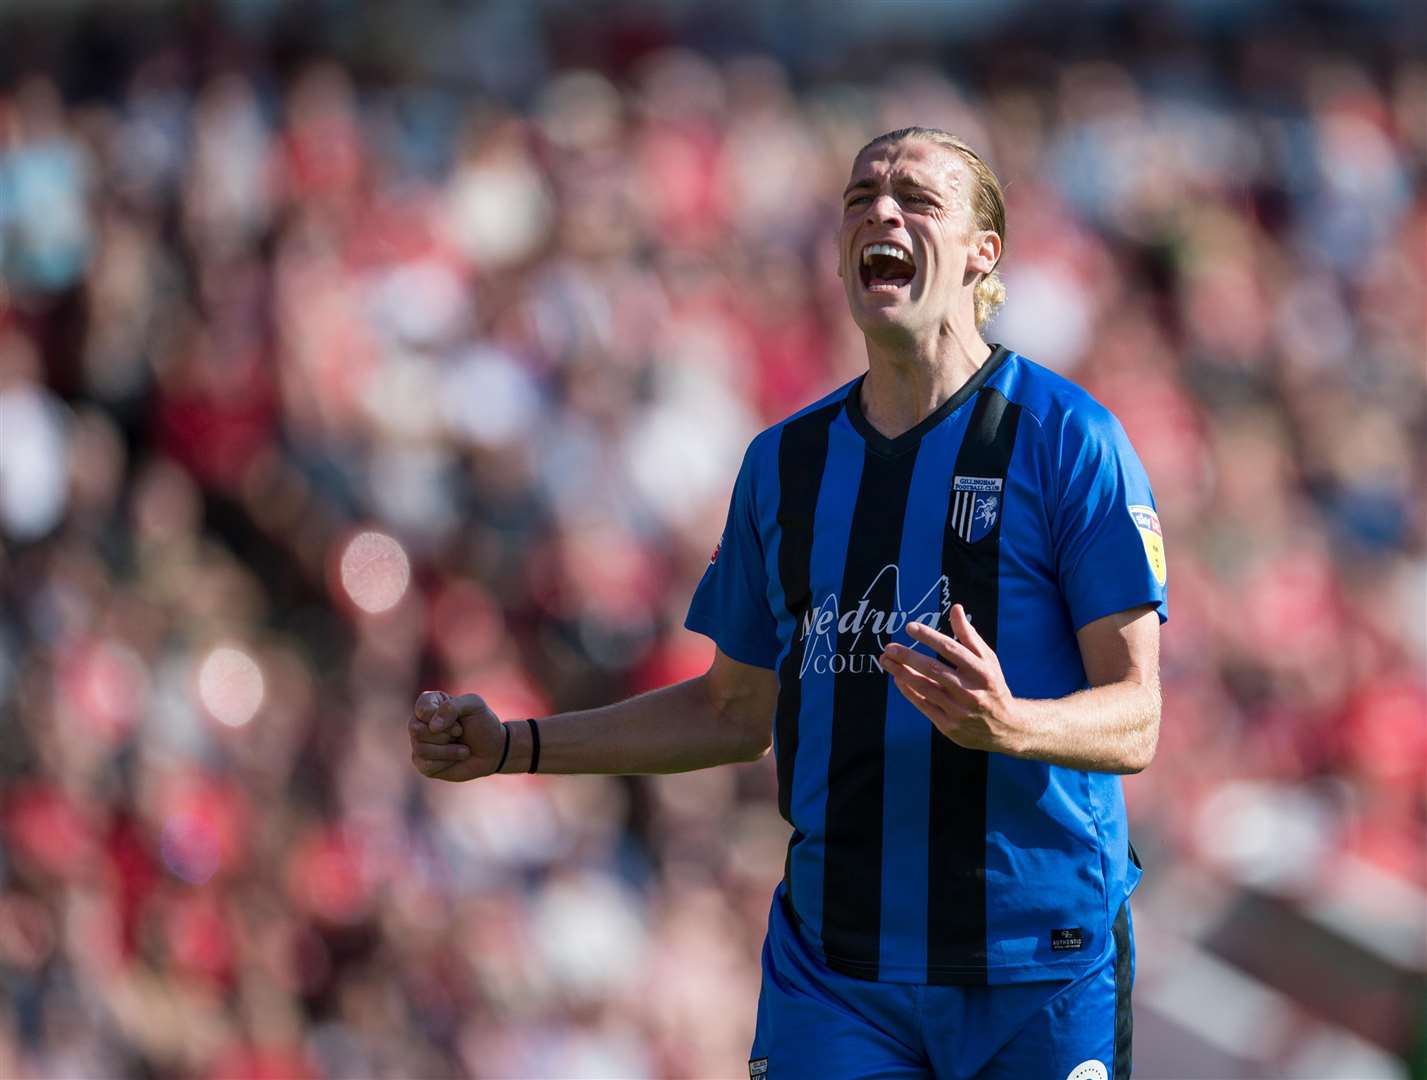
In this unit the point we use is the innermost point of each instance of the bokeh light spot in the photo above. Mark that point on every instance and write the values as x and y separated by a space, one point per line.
375 572
230 685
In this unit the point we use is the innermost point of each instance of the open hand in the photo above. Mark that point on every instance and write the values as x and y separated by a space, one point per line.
961 690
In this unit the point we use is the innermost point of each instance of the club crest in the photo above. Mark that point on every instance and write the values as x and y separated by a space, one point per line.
975 505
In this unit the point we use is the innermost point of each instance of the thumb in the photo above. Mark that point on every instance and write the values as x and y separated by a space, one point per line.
428 702
460 708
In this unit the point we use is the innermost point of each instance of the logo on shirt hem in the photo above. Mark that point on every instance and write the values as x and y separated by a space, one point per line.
757 1067
1089 1070
1066 938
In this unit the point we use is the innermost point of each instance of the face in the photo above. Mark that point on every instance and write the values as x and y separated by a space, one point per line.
908 250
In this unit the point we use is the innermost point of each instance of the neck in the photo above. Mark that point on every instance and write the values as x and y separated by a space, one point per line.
908 381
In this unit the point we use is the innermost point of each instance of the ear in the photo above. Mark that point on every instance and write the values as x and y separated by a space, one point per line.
985 252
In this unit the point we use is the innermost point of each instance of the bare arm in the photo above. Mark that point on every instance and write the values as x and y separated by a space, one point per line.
722 716
1113 726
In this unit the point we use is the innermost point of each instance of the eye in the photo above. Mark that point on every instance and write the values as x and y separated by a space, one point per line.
857 199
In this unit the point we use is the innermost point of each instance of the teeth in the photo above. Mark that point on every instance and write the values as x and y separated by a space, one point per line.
894 250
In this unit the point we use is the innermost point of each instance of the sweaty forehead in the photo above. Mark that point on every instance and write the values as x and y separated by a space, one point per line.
914 159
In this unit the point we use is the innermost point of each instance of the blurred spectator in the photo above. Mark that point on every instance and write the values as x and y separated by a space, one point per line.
408 352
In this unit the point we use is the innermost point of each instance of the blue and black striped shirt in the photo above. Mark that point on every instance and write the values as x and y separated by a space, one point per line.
913 859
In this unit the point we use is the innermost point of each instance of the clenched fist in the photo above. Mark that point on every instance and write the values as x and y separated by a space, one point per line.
454 738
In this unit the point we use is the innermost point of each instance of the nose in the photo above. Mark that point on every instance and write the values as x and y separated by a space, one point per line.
883 210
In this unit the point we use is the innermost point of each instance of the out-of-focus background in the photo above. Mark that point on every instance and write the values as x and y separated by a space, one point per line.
347 350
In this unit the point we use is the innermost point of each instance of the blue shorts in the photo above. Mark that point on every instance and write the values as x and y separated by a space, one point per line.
816 1023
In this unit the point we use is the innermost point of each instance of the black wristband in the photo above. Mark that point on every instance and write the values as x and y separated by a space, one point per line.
505 750
534 745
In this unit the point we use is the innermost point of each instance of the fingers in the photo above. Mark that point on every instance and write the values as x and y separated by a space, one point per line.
925 695
434 729
430 759
440 712
935 688
421 732
914 696
955 652
447 753
450 710
966 633
914 685
944 645
432 769
427 702
916 667
435 712
919 688
430 706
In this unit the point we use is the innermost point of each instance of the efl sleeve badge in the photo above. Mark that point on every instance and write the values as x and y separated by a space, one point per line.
1147 521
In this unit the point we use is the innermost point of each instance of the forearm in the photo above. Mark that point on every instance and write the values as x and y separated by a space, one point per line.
674 729
1112 728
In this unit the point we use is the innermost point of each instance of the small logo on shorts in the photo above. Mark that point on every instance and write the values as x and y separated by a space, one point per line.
1089 1070
757 1067
1068 937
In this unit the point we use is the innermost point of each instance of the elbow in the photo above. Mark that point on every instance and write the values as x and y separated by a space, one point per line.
754 741
744 721
1144 747
756 750
1138 761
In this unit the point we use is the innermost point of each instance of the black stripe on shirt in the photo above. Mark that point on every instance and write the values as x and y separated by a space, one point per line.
802 456
956 872
852 869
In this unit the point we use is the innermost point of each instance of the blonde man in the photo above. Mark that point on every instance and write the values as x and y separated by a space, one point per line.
937 597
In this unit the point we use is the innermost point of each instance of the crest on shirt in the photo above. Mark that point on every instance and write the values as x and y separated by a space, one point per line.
1147 521
975 505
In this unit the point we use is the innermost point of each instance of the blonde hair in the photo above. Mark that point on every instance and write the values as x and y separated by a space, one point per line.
988 208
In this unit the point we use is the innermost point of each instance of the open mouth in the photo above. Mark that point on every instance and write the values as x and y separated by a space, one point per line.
886 267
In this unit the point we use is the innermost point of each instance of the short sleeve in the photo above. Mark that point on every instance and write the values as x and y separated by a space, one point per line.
730 604
1109 547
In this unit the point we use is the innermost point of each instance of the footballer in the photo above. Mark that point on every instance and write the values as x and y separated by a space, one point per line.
937 598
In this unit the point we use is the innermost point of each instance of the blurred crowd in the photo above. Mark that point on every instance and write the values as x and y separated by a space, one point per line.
324 380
